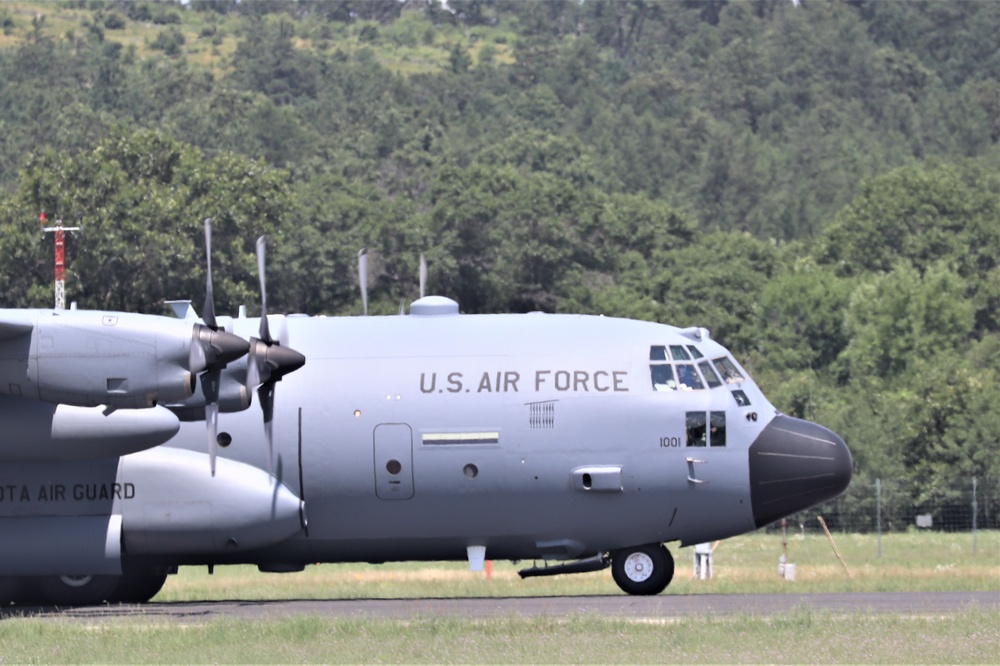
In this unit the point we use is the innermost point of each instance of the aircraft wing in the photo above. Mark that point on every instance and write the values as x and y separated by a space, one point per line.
13 324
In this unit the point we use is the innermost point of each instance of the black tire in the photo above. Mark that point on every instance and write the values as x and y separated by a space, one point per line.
137 588
642 570
73 590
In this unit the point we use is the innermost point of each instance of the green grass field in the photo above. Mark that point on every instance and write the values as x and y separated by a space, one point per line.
747 564
797 637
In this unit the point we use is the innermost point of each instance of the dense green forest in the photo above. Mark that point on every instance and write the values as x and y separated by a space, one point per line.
818 183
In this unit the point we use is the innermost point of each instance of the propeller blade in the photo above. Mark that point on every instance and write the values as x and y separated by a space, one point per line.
402 307
212 427
423 275
197 360
210 388
208 315
265 395
253 366
363 278
265 332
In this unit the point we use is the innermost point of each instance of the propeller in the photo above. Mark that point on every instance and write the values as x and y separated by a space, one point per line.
268 361
211 350
363 278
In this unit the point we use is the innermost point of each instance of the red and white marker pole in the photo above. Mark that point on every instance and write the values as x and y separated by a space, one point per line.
60 259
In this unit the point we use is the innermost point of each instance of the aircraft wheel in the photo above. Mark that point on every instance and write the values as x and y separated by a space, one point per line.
137 588
642 570
75 590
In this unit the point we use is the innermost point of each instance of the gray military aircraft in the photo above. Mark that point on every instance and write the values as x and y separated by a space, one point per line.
585 442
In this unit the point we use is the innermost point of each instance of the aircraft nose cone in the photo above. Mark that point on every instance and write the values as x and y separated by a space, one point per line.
795 464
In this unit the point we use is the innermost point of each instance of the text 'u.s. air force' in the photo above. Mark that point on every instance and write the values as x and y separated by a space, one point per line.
511 381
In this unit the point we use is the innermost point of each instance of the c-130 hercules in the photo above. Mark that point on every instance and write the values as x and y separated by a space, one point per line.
582 441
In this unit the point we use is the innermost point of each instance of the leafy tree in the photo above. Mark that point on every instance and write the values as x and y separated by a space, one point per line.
802 317
267 61
893 320
140 199
923 216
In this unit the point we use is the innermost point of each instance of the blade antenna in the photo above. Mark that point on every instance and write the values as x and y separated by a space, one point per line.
363 278
423 275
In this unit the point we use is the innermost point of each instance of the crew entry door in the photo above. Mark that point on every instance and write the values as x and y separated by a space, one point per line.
393 461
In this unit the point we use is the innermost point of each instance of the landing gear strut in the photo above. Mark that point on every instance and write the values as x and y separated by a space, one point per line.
642 570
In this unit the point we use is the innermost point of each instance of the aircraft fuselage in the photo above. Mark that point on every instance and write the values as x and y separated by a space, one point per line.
534 436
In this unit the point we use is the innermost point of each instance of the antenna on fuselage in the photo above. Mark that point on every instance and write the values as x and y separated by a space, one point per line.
423 275
363 279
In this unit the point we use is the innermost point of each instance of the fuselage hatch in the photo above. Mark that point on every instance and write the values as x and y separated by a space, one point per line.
585 441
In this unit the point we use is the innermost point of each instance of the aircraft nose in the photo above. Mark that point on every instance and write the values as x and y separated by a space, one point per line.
795 464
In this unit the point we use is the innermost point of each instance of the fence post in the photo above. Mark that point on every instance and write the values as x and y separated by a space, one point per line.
974 511
878 514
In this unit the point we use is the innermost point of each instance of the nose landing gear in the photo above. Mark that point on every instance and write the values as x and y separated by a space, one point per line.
642 570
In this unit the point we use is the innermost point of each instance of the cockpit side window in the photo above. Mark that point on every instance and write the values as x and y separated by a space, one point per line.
694 352
728 370
658 353
697 433
687 377
679 353
717 429
702 431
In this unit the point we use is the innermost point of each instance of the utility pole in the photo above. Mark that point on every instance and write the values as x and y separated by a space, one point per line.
60 263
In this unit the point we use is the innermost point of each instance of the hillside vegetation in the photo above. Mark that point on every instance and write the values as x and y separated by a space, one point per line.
816 184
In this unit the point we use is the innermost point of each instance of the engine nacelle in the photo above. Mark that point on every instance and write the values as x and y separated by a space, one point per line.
44 432
233 395
89 358
79 518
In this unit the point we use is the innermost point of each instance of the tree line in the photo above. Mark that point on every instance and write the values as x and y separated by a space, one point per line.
817 184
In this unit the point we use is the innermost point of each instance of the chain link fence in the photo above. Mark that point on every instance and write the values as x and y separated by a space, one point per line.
957 504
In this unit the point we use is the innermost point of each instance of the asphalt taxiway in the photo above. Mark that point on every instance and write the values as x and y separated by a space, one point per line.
663 606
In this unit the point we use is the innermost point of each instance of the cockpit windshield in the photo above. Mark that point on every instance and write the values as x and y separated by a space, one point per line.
728 370
711 378
679 353
687 377
685 368
663 377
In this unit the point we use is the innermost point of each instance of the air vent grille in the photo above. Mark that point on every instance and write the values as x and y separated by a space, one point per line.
542 415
